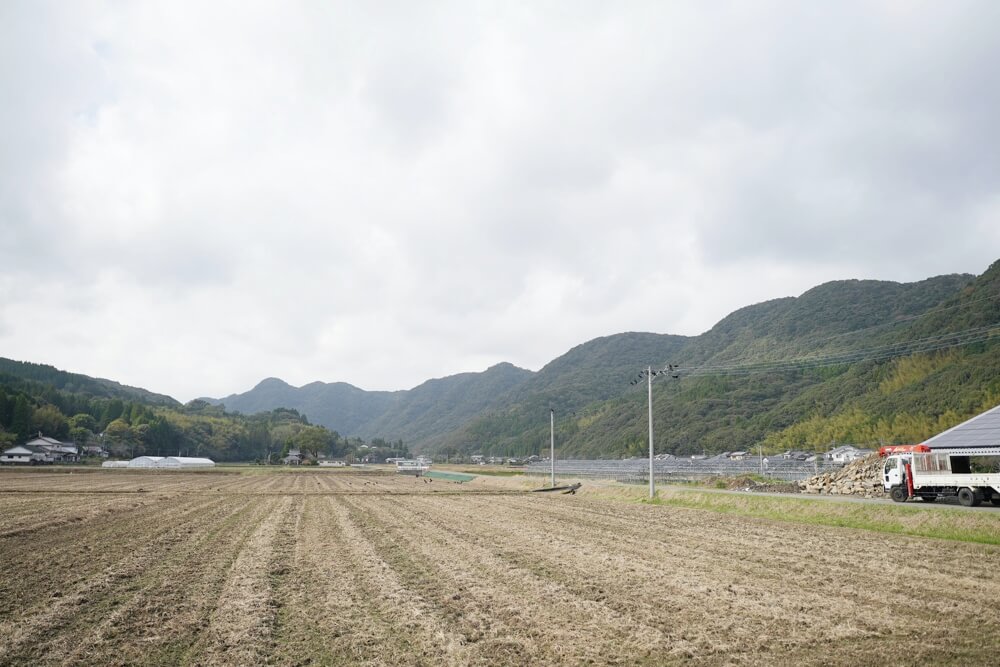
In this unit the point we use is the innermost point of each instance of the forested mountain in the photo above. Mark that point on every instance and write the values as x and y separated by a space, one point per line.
753 396
444 404
337 405
423 413
15 373
755 377
849 361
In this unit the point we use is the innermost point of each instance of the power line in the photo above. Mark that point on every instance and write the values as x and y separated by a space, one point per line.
882 352
909 318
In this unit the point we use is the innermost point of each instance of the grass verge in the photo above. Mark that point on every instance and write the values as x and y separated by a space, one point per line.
939 522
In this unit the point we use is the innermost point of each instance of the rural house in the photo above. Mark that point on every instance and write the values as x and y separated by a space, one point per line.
60 452
294 458
24 454
847 453
41 450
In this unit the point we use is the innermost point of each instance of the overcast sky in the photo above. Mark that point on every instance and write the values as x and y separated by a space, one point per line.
198 195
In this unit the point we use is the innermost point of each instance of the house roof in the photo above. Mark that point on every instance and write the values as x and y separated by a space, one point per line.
53 445
983 430
45 441
24 449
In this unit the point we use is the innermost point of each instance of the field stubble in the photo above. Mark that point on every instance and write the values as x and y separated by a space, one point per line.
342 568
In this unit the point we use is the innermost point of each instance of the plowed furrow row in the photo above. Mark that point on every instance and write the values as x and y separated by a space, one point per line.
867 607
75 555
152 619
775 552
127 557
739 582
516 600
241 626
640 585
408 629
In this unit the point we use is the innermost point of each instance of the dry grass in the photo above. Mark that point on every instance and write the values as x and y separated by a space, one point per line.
342 568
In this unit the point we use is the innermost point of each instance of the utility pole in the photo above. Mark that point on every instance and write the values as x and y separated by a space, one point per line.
552 443
674 372
649 391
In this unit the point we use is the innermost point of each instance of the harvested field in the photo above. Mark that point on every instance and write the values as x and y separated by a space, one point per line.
337 567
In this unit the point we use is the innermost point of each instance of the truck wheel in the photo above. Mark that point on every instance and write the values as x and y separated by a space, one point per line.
968 497
995 500
897 493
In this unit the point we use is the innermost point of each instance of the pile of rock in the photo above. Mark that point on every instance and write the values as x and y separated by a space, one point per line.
858 478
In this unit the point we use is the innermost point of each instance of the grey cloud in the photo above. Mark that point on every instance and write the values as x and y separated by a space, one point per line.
314 185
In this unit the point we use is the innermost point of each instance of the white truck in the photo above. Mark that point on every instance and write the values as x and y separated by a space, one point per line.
917 471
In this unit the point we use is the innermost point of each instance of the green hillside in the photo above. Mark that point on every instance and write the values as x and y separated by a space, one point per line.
445 404
909 366
856 361
877 397
25 374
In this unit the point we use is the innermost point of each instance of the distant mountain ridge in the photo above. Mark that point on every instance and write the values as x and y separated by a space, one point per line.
338 405
908 395
433 407
505 409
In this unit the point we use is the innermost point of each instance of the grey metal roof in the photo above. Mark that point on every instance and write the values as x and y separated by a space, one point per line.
983 430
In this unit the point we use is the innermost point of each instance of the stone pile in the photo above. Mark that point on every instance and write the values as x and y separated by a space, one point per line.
858 478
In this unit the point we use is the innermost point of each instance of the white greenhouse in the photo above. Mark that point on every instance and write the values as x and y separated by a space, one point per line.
185 462
145 462
172 462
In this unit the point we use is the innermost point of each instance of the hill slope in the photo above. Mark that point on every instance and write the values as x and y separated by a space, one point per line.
443 405
505 410
338 405
75 383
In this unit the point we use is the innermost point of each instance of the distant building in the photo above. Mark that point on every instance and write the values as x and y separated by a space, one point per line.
24 454
94 450
847 453
41 450
413 466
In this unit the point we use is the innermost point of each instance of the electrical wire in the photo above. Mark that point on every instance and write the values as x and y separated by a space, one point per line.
882 352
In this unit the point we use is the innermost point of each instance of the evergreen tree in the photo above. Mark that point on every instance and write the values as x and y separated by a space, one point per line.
20 423
6 408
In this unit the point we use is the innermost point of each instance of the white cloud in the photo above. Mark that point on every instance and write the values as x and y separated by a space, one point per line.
383 193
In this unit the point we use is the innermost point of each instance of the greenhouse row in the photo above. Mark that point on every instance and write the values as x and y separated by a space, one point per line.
161 462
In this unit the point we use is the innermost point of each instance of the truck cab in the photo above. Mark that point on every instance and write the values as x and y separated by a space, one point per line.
894 474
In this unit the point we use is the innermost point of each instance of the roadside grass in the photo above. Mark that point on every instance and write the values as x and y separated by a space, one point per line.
944 523
938 522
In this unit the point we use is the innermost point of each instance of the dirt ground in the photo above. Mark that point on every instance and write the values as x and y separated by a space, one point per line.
343 568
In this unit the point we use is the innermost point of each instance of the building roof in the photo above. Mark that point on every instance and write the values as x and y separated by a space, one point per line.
25 449
44 441
983 430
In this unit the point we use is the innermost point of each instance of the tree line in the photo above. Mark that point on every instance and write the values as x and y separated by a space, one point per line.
128 428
